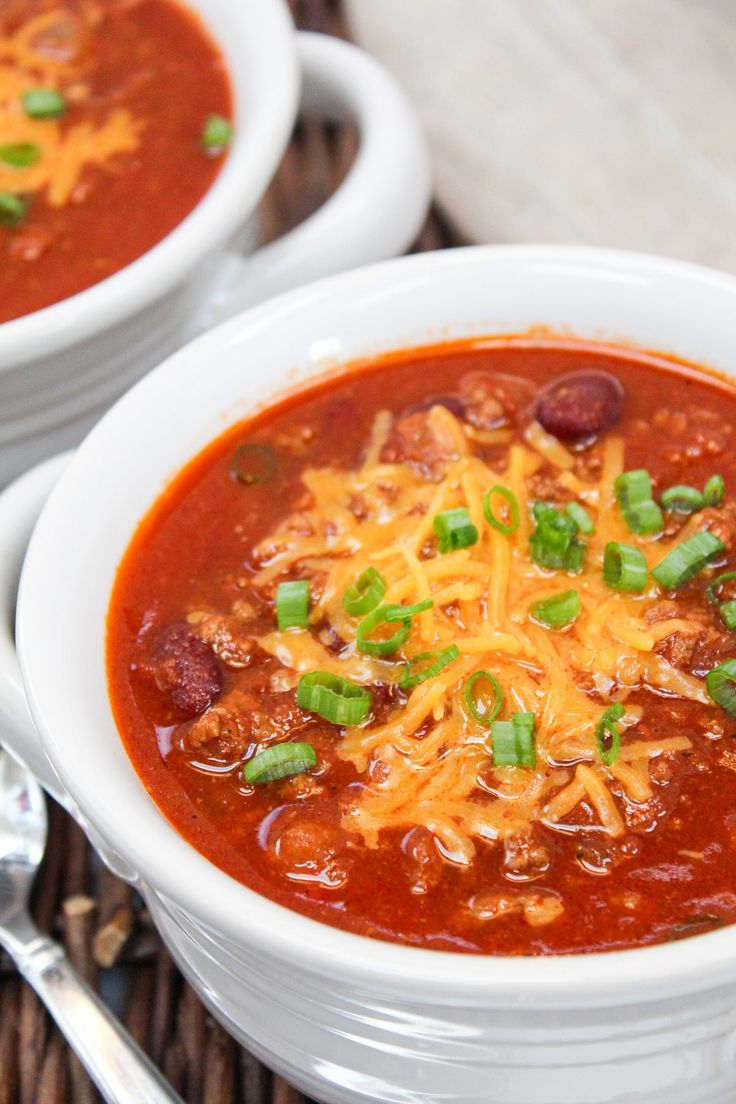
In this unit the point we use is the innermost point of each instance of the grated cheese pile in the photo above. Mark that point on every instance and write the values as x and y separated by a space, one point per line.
428 763
65 149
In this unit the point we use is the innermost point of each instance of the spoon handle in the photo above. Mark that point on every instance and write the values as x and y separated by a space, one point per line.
119 1068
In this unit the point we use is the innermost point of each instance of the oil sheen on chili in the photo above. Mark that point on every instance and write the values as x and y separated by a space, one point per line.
496 713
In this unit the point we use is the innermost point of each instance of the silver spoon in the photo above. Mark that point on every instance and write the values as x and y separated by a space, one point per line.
116 1064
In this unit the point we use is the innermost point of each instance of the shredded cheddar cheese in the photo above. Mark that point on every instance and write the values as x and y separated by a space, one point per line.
65 148
428 762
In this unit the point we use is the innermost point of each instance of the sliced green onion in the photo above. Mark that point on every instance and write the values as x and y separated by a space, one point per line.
378 647
559 611
714 490
633 487
687 559
721 685
512 742
581 517
633 491
334 698
624 567
253 463
645 518
574 557
712 588
539 509
454 529
503 744
217 133
682 499
292 605
20 154
524 725
607 734
44 103
279 761
366 594
405 613
434 661
488 716
727 611
557 529
512 504
12 209
549 545
570 560
553 543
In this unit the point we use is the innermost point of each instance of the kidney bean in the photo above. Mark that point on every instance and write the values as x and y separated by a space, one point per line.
185 668
580 405
494 399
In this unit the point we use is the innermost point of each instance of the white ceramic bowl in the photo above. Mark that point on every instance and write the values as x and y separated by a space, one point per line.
346 1018
62 366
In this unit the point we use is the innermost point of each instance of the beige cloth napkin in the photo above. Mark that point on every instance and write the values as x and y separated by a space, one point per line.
609 122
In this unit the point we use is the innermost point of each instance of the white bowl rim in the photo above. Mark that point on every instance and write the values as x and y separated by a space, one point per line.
262 128
212 898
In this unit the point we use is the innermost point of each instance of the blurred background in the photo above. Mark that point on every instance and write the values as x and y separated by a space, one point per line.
576 121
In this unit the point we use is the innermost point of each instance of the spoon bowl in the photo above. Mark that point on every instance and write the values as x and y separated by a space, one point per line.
23 830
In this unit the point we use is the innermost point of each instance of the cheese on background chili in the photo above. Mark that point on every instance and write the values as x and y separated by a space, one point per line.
115 159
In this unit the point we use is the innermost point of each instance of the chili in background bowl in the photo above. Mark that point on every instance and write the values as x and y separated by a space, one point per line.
62 365
344 1017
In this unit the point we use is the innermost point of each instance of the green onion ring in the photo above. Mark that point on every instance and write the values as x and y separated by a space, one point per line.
485 719
12 209
454 529
553 544
334 698
633 487
279 761
405 613
710 591
366 594
436 661
557 612
727 611
624 567
633 490
44 103
687 559
21 155
682 499
645 518
721 685
512 503
217 133
512 742
607 726
385 647
292 605
714 490
581 517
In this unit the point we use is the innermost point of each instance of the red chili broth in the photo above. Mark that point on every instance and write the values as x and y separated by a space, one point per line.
193 548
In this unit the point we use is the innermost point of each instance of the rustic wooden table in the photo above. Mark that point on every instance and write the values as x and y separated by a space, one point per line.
101 921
